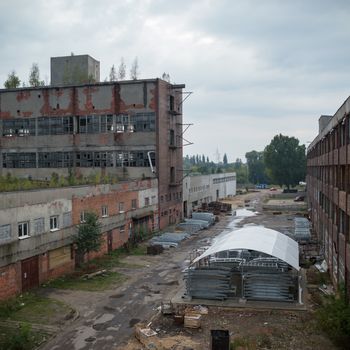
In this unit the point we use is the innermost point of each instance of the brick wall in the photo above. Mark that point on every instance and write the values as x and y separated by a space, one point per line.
10 280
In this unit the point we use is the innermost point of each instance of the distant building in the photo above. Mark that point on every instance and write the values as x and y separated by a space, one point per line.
199 189
74 69
328 188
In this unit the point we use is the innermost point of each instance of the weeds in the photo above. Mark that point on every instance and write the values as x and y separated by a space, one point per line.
334 318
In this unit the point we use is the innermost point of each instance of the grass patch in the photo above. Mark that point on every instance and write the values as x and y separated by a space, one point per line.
141 249
32 308
22 338
94 284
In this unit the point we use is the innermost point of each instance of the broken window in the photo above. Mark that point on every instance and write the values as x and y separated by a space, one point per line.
19 160
143 121
94 159
55 125
18 127
55 159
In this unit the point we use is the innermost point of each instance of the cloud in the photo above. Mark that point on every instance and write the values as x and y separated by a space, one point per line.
256 68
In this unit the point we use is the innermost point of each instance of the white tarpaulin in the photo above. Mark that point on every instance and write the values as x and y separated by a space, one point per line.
260 239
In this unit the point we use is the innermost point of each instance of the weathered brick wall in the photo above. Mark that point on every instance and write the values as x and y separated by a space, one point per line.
10 280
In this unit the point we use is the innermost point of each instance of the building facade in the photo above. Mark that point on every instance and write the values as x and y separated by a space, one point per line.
328 189
198 189
127 129
37 227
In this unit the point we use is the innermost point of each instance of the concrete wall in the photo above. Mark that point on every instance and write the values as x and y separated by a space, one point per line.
200 189
66 69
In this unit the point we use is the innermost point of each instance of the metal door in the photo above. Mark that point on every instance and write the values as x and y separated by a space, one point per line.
30 273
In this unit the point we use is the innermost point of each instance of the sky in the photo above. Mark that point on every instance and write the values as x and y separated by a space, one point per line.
256 68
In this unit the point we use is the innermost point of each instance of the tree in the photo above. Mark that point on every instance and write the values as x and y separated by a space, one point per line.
12 81
89 237
134 71
121 70
112 74
256 167
224 160
285 160
34 76
166 77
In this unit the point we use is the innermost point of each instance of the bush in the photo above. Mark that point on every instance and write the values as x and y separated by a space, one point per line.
334 318
23 339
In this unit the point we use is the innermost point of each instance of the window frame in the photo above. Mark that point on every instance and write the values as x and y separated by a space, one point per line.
54 224
22 225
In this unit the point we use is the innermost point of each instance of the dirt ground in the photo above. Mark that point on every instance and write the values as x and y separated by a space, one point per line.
107 319
248 328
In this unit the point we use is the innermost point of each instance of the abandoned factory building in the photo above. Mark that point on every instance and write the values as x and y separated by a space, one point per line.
126 131
131 129
328 183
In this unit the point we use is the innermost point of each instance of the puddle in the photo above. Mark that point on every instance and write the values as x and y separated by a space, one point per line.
116 296
171 283
133 321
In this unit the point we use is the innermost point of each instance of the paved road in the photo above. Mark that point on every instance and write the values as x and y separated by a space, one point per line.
107 318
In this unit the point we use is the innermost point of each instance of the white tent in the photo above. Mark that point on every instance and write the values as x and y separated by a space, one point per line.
260 239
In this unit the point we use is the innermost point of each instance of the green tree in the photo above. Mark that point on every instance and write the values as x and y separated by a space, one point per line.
224 160
256 167
89 237
34 76
285 160
12 81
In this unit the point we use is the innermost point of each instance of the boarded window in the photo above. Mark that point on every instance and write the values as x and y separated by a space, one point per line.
39 226
5 232
67 219
60 256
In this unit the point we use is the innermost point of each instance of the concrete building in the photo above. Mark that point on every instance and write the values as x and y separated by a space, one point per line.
126 129
328 188
68 70
37 227
198 189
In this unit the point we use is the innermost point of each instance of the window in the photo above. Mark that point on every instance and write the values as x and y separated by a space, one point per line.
54 223
133 204
23 229
39 226
55 125
146 201
82 216
121 207
5 232
55 159
18 127
172 174
171 137
104 211
121 229
19 160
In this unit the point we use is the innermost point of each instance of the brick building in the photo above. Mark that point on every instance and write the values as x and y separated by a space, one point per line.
37 227
128 129
328 188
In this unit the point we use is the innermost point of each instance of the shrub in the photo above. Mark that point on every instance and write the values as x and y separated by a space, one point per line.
334 318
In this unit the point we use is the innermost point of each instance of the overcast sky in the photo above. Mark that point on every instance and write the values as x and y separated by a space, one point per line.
256 68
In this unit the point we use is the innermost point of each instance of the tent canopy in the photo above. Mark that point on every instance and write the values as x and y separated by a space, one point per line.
260 239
